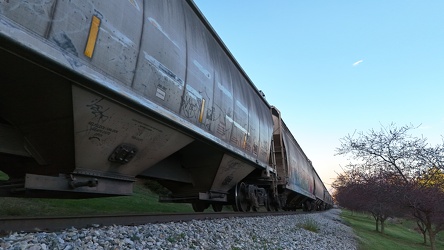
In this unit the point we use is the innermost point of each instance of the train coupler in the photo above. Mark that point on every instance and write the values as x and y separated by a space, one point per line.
74 183
213 196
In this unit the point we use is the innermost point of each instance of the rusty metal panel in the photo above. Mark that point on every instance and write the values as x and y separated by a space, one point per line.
34 15
160 75
101 126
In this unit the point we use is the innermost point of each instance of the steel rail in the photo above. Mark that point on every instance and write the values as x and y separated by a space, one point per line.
52 224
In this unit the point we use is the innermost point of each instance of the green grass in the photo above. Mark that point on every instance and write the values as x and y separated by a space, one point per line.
399 234
142 201
3 176
310 225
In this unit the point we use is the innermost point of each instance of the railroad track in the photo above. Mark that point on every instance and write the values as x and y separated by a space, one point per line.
51 224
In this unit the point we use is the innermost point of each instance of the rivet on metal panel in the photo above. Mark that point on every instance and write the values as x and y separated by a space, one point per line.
202 109
92 38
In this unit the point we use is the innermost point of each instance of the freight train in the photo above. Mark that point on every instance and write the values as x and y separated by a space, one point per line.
96 94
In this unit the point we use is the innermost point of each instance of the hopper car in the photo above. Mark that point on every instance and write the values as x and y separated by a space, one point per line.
95 94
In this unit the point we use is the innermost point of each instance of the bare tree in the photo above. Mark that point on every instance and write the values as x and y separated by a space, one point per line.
367 193
391 150
427 205
412 171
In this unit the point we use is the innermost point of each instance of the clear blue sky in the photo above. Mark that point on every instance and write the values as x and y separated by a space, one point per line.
335 67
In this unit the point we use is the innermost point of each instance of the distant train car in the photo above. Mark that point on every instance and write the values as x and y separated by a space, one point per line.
299 186
323 198
94 94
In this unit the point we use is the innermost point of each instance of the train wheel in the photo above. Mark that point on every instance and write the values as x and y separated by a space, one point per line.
307 206
267 204
241 198
275 205
199 206
217 207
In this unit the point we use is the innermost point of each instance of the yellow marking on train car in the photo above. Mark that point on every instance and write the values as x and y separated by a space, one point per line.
244 144
202 109
92 38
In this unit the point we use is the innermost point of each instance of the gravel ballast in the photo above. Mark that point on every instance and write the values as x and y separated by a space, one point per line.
273 232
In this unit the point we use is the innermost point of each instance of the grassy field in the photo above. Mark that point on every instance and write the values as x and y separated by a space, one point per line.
399 234
142 201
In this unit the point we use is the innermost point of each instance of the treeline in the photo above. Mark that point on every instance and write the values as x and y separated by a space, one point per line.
394 174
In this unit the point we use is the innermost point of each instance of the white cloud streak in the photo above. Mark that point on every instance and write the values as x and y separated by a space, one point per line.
357 63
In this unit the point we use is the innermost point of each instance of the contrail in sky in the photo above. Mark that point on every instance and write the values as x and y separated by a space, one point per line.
357 63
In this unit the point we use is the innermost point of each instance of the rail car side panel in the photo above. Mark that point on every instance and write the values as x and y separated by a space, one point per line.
161 67
36 16
118 38
300 174
222 114
319 187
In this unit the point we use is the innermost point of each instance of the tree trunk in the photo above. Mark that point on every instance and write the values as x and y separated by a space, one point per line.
382 219
382 226
423 230
377 224
432 236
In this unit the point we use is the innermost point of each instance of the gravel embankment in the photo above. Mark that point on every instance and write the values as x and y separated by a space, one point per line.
281 232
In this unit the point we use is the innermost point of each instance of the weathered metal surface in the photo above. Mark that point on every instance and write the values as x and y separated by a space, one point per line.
300 170
319 186
152 75
100 126
294 166
230 172
116 89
